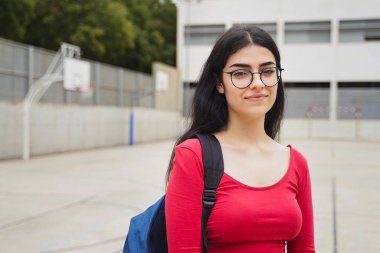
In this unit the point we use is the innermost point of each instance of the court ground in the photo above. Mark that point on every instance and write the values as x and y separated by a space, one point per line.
81 202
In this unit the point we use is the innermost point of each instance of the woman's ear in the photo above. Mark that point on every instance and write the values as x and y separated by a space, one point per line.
219 87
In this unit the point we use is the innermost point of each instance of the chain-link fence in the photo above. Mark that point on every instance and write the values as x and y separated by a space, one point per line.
21 65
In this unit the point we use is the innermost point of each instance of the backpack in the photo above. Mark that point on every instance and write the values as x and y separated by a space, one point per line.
147 231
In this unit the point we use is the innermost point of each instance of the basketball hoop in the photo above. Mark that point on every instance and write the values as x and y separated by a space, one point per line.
63 67
86 94
76 75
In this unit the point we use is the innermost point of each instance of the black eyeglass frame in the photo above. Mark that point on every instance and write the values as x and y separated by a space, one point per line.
252 73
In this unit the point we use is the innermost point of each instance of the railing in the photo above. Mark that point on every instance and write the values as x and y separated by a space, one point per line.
315 110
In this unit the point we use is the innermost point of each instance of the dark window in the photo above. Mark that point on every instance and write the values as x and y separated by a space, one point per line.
301 97
202 34
307 32
307 85
270 28
359 85
359 30
190 84
359 99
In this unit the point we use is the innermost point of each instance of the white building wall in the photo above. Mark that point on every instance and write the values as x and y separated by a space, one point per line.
304 62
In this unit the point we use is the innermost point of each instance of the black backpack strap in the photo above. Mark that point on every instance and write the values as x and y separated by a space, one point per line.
213 171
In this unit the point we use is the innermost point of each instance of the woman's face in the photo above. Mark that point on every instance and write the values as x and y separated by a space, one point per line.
257 99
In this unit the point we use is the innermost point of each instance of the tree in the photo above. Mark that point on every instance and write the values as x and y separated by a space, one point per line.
128 33
155 25
14 17
101 28
166 23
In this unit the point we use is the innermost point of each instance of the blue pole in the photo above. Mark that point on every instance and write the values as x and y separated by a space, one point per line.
131 129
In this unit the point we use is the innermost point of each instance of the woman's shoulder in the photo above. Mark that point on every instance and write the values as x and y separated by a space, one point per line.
192 145
298 160
297 154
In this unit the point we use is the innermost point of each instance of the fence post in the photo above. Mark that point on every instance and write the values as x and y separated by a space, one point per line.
140 87
30 68
120 87
97 83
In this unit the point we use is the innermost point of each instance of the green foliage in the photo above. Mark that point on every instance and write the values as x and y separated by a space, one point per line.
14 17
128 33
101 28
155 25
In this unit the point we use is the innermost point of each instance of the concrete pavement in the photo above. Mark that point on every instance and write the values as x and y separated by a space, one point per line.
81 202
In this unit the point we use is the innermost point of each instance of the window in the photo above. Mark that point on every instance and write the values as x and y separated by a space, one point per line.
307 85
359 30
359 85
202 34
301 97
190 85
362 97
307 32
270 28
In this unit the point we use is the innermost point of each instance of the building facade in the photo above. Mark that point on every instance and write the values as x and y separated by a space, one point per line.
330 50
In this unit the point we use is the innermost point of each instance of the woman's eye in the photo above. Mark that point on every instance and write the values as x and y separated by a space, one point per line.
268 71
240 73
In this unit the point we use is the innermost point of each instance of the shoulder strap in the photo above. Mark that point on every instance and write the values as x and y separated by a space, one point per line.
213 171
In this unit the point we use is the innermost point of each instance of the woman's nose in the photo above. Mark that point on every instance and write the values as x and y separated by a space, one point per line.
256 81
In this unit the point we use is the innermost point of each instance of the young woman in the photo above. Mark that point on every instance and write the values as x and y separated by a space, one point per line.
264 200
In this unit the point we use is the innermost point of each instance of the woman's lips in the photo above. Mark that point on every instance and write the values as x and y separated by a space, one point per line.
256 97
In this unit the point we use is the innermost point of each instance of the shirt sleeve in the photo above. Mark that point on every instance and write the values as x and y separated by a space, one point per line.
304 241
183 207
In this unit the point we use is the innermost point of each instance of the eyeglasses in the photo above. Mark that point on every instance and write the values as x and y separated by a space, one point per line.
242 78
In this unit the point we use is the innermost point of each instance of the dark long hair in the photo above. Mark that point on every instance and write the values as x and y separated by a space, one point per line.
209 112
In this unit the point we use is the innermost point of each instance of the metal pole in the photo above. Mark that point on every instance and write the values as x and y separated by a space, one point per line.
30 68
132 120
131 128
188 38
38 88
26 127
333 99
140 90
120 86
26 106
97 83
187 43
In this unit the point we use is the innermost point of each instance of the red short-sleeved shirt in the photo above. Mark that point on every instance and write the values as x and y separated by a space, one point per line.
244 218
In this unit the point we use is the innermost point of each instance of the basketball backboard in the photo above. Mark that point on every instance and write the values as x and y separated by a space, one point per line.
76 75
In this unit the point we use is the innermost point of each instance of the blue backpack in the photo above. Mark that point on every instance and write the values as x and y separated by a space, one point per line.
147 231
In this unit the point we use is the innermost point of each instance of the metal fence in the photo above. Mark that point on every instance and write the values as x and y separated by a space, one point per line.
21 65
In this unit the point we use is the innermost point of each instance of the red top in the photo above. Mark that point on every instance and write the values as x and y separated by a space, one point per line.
244 218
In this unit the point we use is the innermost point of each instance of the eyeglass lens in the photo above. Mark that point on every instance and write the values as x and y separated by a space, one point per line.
243 78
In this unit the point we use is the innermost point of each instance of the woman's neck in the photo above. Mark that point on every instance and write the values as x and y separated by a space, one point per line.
245 131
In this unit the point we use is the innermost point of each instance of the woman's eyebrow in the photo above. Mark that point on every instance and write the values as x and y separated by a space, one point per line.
242 65
245 65
267 63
